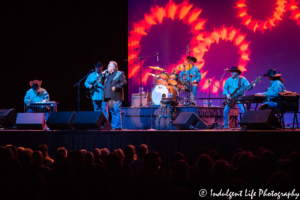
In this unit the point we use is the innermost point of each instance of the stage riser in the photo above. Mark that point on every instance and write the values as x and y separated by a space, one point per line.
164 142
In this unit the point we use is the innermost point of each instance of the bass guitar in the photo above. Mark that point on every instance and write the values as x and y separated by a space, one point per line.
234 95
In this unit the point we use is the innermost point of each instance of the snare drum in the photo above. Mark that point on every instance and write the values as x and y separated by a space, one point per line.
174 79
163 78
159 90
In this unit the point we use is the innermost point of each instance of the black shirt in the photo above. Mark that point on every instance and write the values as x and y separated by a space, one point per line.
108 86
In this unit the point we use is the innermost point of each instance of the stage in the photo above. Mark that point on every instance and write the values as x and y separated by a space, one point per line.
165 142
140 117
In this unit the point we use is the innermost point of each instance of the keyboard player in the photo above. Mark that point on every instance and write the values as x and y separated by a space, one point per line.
276 86
36 94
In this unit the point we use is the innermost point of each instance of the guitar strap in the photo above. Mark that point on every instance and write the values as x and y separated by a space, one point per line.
240 82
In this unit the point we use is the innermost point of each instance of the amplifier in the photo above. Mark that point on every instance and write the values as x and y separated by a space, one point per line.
288 101
135 99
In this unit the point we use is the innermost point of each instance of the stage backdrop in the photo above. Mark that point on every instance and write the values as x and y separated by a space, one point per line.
254 35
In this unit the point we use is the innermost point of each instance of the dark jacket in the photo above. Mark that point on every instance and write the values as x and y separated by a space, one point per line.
118 81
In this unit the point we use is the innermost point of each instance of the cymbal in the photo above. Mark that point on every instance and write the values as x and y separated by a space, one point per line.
181 67
153 75
157 68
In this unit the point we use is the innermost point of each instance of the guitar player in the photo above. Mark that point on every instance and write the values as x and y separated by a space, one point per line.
236 81
92 82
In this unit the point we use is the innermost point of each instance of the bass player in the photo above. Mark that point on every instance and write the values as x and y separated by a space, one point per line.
236 81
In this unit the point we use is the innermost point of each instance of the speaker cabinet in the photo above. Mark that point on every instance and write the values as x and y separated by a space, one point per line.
90 120
189 121
34 121
136 99
259 120
60 120
8 117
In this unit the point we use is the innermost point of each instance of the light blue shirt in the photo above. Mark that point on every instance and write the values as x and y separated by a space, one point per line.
32 96
91 79
231 84
193 71
276 86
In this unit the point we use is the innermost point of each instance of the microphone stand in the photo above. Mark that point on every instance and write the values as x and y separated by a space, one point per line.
220 89
141 85
78 92
210 82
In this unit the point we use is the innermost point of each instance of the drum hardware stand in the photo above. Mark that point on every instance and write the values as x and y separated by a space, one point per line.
78 85
151 129
141 84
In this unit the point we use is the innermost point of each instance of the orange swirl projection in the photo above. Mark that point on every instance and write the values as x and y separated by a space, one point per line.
261 25
184 11
227 34
294 8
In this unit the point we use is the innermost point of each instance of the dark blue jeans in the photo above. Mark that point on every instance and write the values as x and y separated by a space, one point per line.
115 111
100 105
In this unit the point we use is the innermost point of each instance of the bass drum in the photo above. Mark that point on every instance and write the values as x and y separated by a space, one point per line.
159 90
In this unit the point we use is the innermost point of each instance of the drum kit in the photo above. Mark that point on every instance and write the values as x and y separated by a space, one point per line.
168 85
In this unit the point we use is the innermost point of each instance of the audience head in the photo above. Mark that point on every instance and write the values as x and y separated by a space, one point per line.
204 164
63 150
120 153
179 171
89 158
44 149
129 153
176 156
152 161
104 152
13 149
37 158
142 151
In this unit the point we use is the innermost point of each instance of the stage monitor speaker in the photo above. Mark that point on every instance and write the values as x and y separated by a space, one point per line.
60 120
135 99
8 117
259 120
34 121
189 121
90 120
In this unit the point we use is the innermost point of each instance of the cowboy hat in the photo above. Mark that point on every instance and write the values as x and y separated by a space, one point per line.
272 73
192 59
235 69
98 65
38 82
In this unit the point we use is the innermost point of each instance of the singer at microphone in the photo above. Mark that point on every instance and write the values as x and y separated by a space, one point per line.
96 89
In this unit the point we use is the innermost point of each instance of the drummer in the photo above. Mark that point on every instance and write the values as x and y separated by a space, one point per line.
191 71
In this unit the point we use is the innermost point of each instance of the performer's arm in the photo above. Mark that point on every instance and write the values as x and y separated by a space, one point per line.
225 88
46 96
122 83
273 90
198 76
87 82
27 99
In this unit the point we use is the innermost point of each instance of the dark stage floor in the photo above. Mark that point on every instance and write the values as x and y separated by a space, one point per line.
165 142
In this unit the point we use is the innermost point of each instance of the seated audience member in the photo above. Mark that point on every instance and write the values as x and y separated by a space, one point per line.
47 161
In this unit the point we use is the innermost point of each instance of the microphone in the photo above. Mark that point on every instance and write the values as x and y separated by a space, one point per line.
187 49
157 56
226 69
92 70
105 71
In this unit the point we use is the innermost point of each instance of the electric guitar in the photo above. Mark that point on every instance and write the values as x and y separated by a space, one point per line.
234 95
90 92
